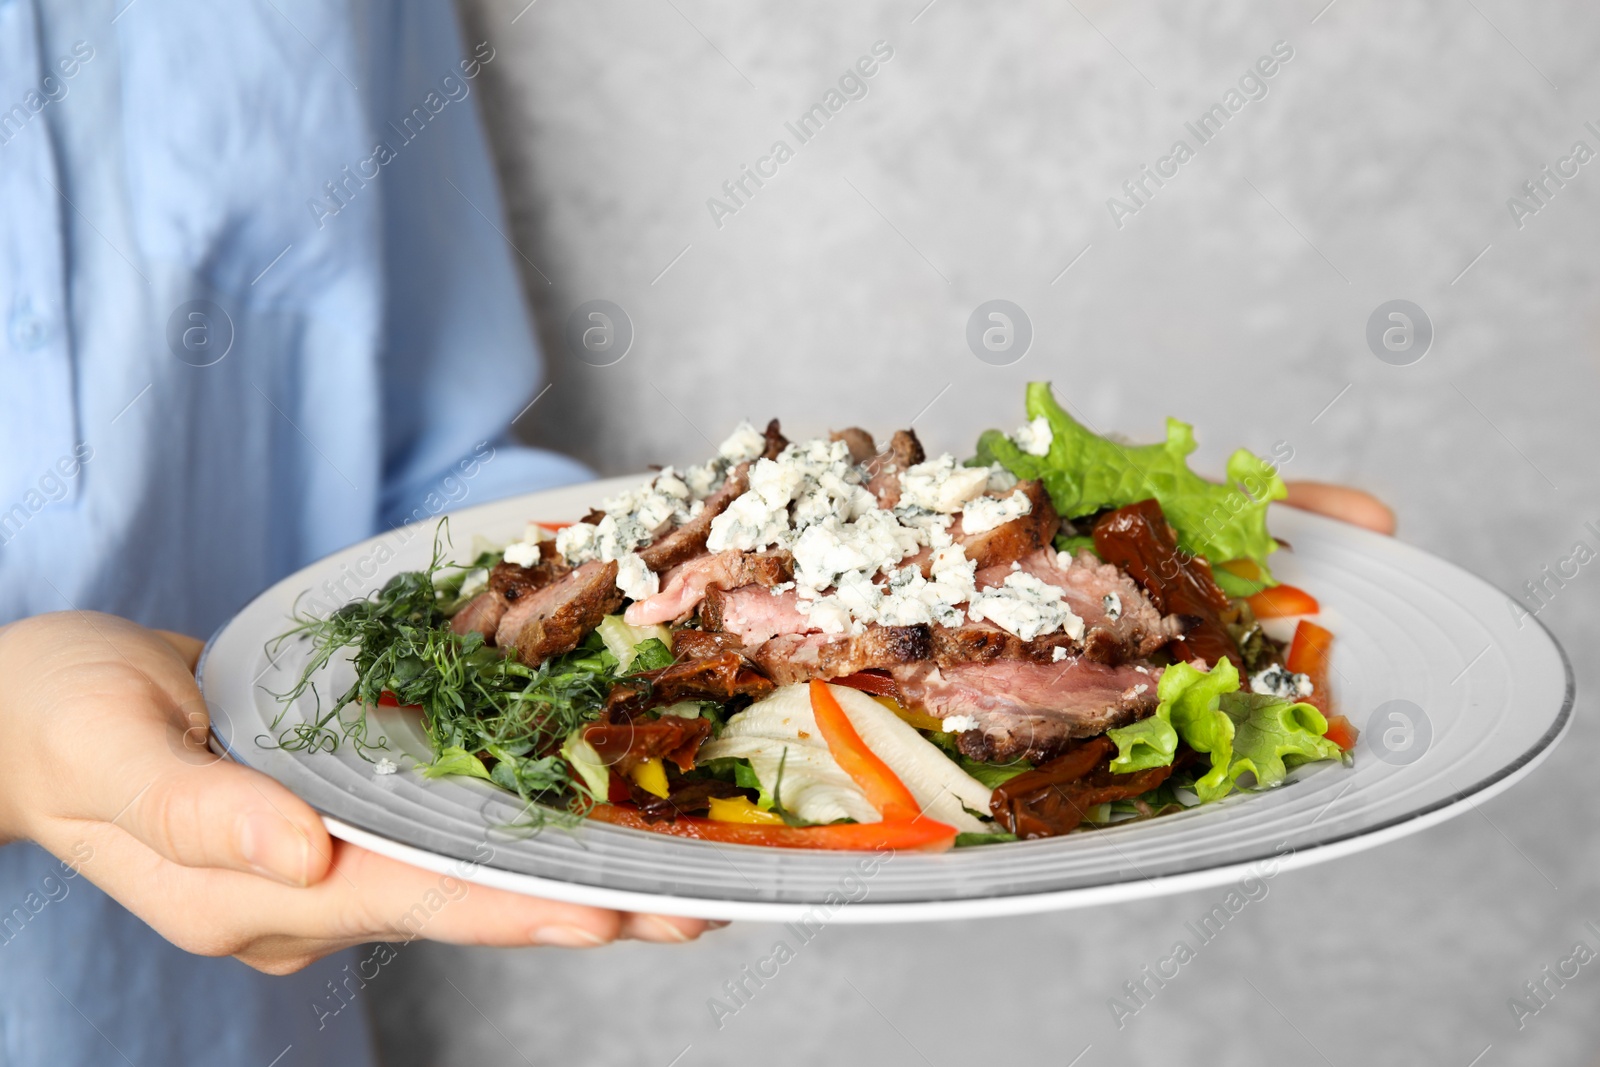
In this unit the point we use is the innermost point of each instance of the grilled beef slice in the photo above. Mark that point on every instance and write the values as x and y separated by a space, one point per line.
683 543
554 619
1025 709
791 658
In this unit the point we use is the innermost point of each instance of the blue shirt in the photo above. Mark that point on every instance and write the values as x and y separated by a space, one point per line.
255 304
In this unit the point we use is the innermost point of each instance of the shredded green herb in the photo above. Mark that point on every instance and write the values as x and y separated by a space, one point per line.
486 714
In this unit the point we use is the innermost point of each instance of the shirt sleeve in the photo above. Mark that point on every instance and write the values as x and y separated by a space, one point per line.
460 362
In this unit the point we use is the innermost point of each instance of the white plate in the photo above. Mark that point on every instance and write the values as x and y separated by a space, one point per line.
1487 699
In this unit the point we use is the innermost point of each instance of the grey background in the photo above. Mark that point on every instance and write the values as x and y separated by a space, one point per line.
978 167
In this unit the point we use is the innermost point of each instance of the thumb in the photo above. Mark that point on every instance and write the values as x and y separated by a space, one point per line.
218 814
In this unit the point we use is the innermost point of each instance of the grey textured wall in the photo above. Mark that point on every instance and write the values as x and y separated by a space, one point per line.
1378 166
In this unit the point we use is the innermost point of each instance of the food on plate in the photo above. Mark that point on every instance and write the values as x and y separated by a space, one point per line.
825 644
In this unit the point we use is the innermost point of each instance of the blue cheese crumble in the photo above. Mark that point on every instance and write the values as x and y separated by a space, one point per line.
1280 682
1035 437
1028 607
987 512
940 485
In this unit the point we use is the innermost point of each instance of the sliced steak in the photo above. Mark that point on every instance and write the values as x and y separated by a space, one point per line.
757 614
791 658
683 543
1138 539
984 642
884 469
513 582
1011 541
858 441
1029 710
686 584
480 615
1094 591
701 644
554 619
508 583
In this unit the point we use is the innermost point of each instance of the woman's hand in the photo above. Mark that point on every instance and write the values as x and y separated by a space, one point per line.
104 731
1341 502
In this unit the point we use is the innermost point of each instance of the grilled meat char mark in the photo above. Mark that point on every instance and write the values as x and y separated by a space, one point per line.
554 619
1138 539
1029 710
791 658
984 642
508 583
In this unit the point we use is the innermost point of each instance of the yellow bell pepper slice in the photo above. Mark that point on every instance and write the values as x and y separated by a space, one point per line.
742 809
918 719
650 776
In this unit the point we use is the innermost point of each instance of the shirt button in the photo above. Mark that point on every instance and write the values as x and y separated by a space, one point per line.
28 331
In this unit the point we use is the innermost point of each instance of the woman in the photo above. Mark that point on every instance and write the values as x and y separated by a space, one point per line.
259 307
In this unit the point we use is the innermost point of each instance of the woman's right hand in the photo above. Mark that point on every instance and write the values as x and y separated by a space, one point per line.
104 731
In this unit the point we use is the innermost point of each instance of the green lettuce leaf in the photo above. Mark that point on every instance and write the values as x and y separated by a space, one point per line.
1242 732
1085 473
455 760
1185 696
1234 585
1272 735
973 840
993 775
1187 710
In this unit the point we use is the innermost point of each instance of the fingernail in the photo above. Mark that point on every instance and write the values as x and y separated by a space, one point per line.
272 848
717 924
566 936
672 931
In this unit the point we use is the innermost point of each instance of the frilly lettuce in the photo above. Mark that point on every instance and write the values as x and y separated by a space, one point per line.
1243 732
1085 473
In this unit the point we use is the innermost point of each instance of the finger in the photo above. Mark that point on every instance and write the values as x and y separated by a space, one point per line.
187 647
366 897
1343 503
666 929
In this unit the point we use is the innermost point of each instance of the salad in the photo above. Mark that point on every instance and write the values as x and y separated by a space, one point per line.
832 644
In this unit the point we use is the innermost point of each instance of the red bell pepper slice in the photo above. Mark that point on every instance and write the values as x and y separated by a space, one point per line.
1342 732
885 791
1281 600
1308 655
924 835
